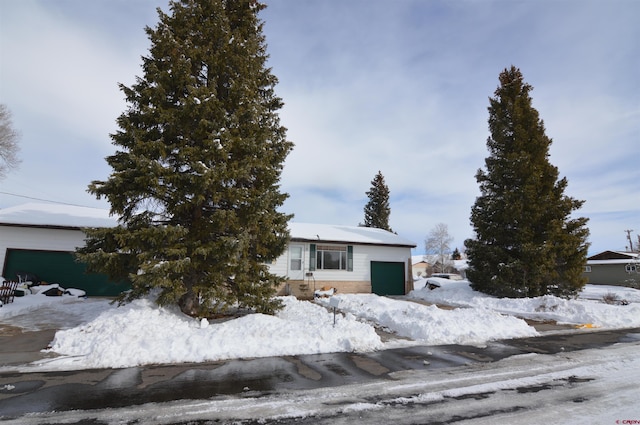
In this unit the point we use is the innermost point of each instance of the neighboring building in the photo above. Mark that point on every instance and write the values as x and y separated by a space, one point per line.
40 239
348 258
426 265
421 268
614 268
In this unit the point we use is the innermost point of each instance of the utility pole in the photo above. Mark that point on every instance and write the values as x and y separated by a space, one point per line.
630 241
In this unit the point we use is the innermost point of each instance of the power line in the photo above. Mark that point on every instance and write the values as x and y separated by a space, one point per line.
47 200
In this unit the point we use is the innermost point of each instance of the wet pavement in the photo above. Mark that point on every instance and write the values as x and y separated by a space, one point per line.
23 393
18 347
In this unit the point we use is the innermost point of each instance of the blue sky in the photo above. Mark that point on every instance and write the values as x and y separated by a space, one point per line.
396 86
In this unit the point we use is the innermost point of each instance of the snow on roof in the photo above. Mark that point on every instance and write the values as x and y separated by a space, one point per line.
609 262
34 214
54 215
426 258
354 234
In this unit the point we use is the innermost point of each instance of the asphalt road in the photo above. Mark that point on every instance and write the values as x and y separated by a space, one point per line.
94 390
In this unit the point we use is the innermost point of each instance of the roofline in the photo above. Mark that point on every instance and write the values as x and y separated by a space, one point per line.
293 239
612 262
44 226
296 239
627 254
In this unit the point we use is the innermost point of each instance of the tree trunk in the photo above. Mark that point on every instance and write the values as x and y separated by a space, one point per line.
189 304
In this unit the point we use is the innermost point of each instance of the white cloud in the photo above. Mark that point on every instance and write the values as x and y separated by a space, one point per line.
400 87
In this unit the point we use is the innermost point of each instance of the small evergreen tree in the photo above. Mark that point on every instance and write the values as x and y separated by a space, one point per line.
377 210
526 244
196 175
456 254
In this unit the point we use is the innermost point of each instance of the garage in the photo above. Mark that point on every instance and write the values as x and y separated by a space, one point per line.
387 278
59 267
41 238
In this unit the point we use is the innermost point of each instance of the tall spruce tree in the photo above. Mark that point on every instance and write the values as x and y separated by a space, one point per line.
526 243
377 210
196 175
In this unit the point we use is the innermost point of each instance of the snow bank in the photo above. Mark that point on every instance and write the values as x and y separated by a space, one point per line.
430 325
23 305
587 309
93 333
142 333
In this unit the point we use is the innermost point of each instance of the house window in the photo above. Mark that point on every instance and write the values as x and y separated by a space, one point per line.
587 269
630 268
295 260
330 257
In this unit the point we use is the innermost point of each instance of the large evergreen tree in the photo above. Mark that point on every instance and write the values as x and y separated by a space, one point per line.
377 210
196 174
526 242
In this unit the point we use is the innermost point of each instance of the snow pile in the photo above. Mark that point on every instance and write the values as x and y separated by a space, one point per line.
22 305
430 325
587 309
94 333
142 333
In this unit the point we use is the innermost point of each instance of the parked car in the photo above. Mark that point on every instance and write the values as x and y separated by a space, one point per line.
450 276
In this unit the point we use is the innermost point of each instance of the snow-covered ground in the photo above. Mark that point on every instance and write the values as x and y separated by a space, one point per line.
590 386
93 333
588 310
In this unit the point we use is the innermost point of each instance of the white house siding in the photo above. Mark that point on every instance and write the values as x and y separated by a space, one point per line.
34 238
52 228
356 281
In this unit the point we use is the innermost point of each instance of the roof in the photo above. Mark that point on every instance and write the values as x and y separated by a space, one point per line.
74 217
56 216
613 255
610 262
307 232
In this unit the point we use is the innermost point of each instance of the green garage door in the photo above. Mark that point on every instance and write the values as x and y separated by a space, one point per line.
61 268
387 278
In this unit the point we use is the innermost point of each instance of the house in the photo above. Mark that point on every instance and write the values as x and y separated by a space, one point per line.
421 268
614 268
350 259
40 239
427 264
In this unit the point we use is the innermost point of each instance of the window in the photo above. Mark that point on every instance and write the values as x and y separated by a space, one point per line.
630 268
295 258
331 257
587 269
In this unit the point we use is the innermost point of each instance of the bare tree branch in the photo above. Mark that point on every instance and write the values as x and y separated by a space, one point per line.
437 242
8 143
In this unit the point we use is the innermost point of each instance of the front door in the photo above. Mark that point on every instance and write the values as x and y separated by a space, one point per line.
296 262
